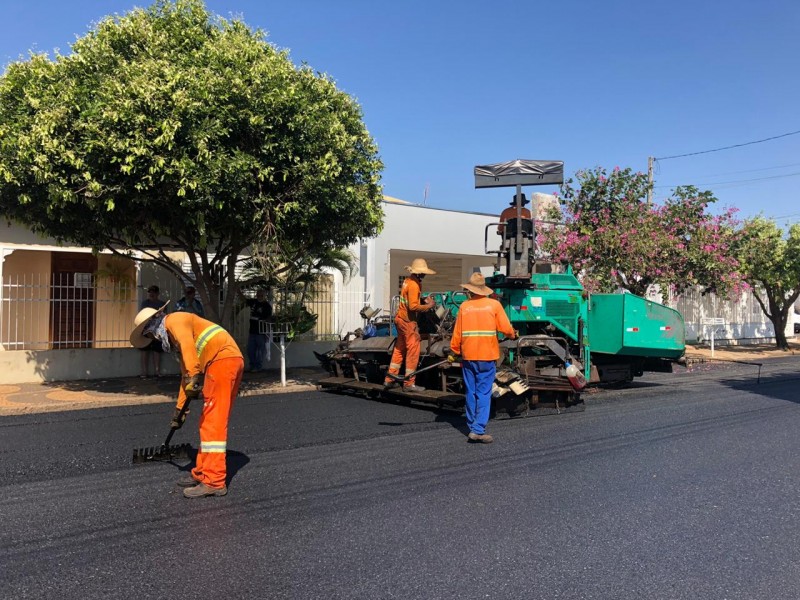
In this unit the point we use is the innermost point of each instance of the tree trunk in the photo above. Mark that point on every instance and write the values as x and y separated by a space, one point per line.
779 317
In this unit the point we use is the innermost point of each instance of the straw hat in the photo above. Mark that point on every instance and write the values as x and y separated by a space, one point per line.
477 285
140 322
418 266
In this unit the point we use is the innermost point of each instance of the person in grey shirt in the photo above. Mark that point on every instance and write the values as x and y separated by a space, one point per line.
190 303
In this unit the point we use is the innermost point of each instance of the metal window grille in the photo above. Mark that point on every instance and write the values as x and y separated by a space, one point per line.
65 311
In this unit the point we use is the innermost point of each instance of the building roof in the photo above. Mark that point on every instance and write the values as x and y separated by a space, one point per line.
392 200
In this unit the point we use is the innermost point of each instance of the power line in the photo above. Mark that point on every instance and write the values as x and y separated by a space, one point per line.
752 170
775 137
717 183
774 217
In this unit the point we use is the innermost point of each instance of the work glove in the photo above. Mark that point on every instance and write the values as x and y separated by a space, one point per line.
193 386
451 358
516 335
178 419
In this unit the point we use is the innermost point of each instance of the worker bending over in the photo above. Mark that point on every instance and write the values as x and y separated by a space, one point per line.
211 367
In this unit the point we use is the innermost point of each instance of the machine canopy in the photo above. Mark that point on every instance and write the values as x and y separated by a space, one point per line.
520 172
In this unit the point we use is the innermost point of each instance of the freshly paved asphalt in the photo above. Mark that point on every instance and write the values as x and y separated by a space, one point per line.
684 486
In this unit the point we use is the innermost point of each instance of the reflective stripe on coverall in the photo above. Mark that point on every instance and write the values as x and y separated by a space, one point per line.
408 340
475 332
220 387
205 347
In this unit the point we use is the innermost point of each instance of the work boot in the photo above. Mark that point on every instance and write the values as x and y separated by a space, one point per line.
479 438
389 384
201 489
187 481
413 388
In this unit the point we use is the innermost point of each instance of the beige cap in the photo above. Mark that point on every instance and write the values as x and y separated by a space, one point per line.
477 285
418 265
140 322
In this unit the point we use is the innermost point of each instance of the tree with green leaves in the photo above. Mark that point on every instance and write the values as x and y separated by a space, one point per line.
770 263
616 239
169 128
293 284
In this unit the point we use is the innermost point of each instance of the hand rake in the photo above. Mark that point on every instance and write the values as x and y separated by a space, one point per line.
401 378
165 452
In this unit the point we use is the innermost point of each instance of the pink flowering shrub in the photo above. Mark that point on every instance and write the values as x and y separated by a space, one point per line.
615 239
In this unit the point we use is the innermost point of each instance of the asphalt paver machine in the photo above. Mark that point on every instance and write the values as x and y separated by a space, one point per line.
569 339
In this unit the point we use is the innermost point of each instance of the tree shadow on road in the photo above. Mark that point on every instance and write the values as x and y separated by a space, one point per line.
778 386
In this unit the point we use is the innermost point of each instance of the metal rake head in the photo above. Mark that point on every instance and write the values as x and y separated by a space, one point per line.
161 453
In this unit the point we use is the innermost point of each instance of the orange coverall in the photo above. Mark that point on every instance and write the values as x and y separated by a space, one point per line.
205 347
475 332
408 339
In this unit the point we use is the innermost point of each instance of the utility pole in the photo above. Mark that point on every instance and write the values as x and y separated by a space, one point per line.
650 179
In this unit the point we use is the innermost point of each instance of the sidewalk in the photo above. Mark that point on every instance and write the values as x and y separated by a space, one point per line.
28 398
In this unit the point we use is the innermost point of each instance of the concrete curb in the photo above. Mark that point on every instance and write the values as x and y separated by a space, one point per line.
33 398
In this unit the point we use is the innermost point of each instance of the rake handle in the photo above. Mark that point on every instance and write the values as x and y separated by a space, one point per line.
405 377
172 430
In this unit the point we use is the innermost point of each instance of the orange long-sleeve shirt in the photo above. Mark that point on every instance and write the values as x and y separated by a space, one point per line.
410 305
199 342
511 213
477 324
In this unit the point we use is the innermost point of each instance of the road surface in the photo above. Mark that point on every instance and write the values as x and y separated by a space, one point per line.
685 486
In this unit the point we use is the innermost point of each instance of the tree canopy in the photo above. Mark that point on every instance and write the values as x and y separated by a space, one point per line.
616 239
770 263
170 128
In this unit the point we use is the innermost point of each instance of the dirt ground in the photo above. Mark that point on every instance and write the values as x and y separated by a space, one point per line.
754 352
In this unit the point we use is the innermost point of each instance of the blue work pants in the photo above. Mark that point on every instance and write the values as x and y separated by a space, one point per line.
478 380
256 349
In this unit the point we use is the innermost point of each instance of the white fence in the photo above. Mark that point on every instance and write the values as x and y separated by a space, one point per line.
64 311
744 319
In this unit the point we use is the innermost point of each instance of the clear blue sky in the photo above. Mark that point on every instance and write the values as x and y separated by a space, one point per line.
448 85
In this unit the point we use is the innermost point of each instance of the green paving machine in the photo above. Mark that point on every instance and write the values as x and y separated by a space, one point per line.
569 339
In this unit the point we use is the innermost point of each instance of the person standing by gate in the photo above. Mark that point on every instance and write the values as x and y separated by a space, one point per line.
151 353
211 367
190 303
478 321
257 342
408 341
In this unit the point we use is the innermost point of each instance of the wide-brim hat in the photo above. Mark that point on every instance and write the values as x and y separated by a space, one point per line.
524 200
140 322
477 285
419 266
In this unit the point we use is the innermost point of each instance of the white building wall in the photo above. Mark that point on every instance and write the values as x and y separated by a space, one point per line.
14 235
425 232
